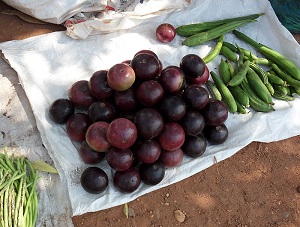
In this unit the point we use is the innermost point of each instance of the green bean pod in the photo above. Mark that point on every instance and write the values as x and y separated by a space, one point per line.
258 86
213 90
215 52
240 95
224 71
240 75
290 80
226 94
229 54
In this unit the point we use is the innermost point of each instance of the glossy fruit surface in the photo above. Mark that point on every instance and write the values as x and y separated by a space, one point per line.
193 122
60 110
153 173
98 85
215 112
95 136
172 136
102 111
77 125
192 65
195 96
194 146
120 77
148 151
94 180
171 158
128 180
88 155
119 159
121 133
145 65
80 95
150 93
171 78
165 32
149 123
216 134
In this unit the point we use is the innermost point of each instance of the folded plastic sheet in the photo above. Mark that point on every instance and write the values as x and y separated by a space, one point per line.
48 65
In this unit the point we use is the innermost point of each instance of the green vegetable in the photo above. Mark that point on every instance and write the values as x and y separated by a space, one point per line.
255 102
214 33
224 71
19 203
270 88
230 68
213 90
240 95
260 72
240 108
258 86
277 95
229 54
230 46
215 52
275 79
284 63
226 94
289 80
279 89
240 74
195 28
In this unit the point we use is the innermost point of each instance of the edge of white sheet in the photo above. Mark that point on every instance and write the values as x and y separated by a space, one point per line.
47 66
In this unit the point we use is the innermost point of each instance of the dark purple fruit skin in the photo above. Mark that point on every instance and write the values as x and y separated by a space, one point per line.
148 151
102 111
98 85
77 125
171 78
216 134
192 65
88 155
215 112
121 133
173 108
119 159
172 136
153 173
146 52
126 100
60 110
150 93
94 180
194 146
128 180
193 122
195 96
80 95
149 123
171 158
145 65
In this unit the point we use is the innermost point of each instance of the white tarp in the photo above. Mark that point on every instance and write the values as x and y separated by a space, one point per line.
47 66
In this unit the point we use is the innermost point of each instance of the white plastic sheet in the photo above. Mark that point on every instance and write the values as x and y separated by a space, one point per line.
49 64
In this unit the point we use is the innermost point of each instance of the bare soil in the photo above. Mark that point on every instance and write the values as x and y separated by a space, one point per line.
258 186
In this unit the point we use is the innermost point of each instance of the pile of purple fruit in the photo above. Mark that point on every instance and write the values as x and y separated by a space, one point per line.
140 118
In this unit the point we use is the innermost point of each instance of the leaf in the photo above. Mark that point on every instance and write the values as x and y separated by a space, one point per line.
125 210
43 166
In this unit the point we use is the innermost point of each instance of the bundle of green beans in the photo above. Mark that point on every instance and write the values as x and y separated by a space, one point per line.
18 196
249 84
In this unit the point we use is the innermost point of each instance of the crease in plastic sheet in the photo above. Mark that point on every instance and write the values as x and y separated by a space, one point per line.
59 61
